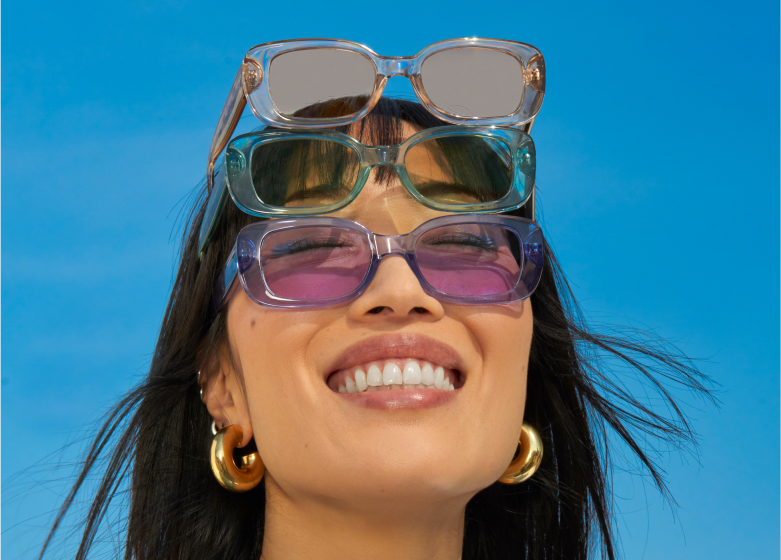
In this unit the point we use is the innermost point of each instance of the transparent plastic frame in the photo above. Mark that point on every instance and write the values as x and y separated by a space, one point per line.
244 260
251 85
241 188
235 177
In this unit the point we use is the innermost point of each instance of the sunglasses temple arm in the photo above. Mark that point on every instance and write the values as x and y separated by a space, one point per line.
225 282
527 128
229 118
215 205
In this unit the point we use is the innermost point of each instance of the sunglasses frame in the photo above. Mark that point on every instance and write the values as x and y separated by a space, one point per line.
381 246
234 177
240 182
251 86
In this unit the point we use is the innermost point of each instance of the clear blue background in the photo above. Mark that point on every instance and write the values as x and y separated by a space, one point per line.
658 147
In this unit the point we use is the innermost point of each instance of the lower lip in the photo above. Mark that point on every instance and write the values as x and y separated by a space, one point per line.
400 399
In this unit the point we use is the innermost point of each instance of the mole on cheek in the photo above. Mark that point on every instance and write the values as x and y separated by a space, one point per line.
252 323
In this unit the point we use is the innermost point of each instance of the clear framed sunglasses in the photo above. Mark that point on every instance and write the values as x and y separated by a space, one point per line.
311 172
489 82
323 261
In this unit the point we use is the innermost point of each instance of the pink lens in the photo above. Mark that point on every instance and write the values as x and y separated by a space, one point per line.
470 259
314 262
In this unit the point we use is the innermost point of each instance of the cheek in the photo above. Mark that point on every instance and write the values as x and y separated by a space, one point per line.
272 349
504 334
266 341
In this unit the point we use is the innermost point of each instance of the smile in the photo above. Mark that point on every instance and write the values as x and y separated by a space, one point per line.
398 373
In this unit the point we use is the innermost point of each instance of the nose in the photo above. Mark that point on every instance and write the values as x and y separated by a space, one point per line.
395 294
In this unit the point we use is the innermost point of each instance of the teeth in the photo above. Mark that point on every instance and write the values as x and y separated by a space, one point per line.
360 380
391 374
427 374
374 376
412 374
439 377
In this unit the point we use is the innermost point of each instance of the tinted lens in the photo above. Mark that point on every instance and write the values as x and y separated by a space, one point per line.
303 172
461 169
470 259
314 262
473 82
299 79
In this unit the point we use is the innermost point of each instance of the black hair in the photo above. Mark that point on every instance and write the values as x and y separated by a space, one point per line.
156 439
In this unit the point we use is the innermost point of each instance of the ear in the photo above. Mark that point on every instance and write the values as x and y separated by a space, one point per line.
223 396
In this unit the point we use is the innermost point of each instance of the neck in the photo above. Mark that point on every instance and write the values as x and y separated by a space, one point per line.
297 528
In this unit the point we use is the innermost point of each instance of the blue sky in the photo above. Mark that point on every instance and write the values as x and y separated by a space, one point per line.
658 168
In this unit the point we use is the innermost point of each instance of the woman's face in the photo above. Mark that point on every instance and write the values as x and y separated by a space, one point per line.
408 446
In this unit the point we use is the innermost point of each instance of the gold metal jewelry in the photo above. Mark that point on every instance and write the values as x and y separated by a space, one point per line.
528 460
231 477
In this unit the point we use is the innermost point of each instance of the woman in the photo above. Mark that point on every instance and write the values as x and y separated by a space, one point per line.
350 473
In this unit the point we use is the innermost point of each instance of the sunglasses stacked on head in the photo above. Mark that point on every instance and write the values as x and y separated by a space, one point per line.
490 90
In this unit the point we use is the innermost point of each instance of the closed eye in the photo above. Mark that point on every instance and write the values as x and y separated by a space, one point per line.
304 245
464 240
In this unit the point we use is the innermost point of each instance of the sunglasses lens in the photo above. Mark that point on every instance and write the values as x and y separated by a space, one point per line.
311 263
473 82
465 169
470 259
304 172
299 79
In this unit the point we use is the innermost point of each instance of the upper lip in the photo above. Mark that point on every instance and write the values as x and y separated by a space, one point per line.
398 346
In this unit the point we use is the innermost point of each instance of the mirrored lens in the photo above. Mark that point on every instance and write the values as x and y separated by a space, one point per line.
314 262
303 78
470 259
473 82
304 172
461 169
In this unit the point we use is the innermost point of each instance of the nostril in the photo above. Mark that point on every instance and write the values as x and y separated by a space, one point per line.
420 310
376 310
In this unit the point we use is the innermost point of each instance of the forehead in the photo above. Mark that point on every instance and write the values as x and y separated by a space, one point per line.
384 205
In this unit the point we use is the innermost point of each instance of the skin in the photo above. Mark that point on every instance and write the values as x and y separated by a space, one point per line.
345 481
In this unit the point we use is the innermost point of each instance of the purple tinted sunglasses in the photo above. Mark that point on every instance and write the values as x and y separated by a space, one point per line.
321 261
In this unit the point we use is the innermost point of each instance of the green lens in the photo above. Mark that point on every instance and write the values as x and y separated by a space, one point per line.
303 172
461 169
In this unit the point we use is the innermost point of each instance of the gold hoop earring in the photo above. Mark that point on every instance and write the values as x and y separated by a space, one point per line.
528 460
231 477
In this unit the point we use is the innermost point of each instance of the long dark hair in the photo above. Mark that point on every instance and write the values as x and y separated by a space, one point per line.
157 438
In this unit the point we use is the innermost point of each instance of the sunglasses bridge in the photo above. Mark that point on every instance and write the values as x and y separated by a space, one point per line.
392 245
396 67
381 155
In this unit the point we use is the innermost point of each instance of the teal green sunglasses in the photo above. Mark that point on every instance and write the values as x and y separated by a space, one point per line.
284 173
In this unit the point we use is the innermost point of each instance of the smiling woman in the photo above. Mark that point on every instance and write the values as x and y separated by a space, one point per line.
372 374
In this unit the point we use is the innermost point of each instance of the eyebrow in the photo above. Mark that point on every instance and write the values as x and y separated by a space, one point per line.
324 190
433 188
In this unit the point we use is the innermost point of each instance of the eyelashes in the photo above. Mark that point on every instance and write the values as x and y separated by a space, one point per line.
306 245
462 240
